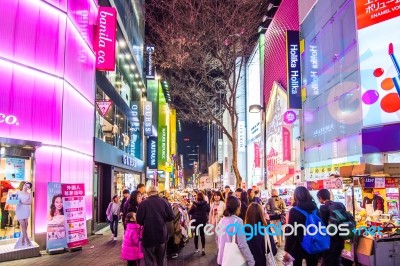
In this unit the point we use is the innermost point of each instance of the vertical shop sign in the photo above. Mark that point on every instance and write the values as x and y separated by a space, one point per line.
256 155
103 106
241 137
173 132
105 35
73 196
56 233
220 151
148 118
135 139
150 72
286 141
293 69
152 152
162 150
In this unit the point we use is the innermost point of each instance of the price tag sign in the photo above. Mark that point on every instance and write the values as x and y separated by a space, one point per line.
379 182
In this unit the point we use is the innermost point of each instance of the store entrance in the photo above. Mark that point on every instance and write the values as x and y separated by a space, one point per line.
16 168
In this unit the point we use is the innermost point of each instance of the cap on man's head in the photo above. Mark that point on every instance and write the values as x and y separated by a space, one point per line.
152 190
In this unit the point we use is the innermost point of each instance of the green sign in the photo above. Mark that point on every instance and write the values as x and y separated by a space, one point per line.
162 148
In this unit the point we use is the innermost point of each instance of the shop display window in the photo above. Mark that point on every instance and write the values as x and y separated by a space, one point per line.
13 172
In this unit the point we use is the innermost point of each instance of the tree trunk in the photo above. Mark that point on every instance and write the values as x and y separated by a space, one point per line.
235 159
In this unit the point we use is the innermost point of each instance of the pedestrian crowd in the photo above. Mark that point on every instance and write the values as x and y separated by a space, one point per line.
149 226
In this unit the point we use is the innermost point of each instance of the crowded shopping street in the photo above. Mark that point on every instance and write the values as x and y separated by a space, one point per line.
200 132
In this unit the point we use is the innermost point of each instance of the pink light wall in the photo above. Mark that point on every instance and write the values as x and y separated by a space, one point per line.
47 70
286 18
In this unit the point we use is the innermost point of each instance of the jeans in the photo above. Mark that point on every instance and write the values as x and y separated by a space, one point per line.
155 255
202 236
114 225
133 262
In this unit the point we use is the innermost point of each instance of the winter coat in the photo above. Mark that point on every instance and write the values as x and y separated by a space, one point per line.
153 214
214 218
293 241
199 212
131 245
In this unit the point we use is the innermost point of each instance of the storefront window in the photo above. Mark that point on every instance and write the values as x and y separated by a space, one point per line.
14 171
124 180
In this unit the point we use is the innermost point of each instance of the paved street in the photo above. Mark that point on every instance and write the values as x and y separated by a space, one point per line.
101 251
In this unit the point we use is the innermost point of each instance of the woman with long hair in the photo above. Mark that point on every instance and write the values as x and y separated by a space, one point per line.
113 215
56 207
217 208
23 212
231 213
199 212
255 216
304 201
132 204
244 202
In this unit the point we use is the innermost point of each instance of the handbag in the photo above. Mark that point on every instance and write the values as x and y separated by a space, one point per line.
232 254
269 256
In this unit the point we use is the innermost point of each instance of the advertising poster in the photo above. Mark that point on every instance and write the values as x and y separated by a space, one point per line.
379 65
105 38
56 233
74 212
293 69
15 169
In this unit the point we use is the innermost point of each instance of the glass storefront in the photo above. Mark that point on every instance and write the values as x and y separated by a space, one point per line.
13 172
124 180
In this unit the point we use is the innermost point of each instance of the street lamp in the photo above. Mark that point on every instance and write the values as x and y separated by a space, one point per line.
254 109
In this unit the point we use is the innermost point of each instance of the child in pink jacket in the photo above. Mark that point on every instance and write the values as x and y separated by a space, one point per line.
131 246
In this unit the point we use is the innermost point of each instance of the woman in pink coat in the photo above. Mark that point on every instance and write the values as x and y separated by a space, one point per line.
131 246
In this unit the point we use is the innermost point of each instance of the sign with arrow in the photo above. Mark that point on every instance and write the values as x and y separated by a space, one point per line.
103 106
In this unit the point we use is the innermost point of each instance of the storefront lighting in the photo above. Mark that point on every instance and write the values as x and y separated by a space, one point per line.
120 55
122 43
255 108
143 90
131 75
126 66
133 66
136 75
128 56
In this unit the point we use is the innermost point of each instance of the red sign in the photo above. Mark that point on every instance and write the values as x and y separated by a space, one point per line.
391 182
105 36
103 106
256 155
286 141
371 12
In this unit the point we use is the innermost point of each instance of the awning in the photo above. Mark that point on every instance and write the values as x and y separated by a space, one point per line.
283 179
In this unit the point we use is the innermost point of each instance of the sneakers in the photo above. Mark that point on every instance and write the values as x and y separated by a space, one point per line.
203 252
115 239
174 256
197 250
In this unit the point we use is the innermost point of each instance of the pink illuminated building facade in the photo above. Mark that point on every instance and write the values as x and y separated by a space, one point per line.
47 98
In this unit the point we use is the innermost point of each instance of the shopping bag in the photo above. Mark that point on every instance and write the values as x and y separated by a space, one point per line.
232 254
269 256
12 198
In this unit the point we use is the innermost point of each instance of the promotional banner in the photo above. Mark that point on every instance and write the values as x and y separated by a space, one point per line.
241 136
148 118
56 233
15 169
73 196
105 36
135 139
379 47
152 152
150 71
293 69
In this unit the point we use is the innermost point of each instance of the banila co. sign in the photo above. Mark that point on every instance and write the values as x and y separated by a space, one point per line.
129 161
8 119
105 35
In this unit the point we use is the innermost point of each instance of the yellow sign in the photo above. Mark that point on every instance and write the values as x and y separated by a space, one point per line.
168 169
329 169
172 127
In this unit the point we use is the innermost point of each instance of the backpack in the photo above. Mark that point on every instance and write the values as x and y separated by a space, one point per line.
319 240
339 216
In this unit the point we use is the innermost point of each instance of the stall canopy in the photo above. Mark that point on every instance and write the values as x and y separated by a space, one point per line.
283 179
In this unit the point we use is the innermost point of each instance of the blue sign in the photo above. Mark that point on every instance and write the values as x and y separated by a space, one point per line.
293 69
15 169
152 153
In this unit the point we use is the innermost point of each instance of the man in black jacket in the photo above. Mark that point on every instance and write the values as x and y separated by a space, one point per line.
153 214
331 256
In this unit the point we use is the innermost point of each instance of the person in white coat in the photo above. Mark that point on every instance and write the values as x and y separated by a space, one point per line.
217 207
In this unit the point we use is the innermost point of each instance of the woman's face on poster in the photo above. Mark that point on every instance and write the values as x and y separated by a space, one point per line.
58 203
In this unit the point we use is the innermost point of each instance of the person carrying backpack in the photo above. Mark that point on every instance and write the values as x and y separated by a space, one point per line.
298 244
333 213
